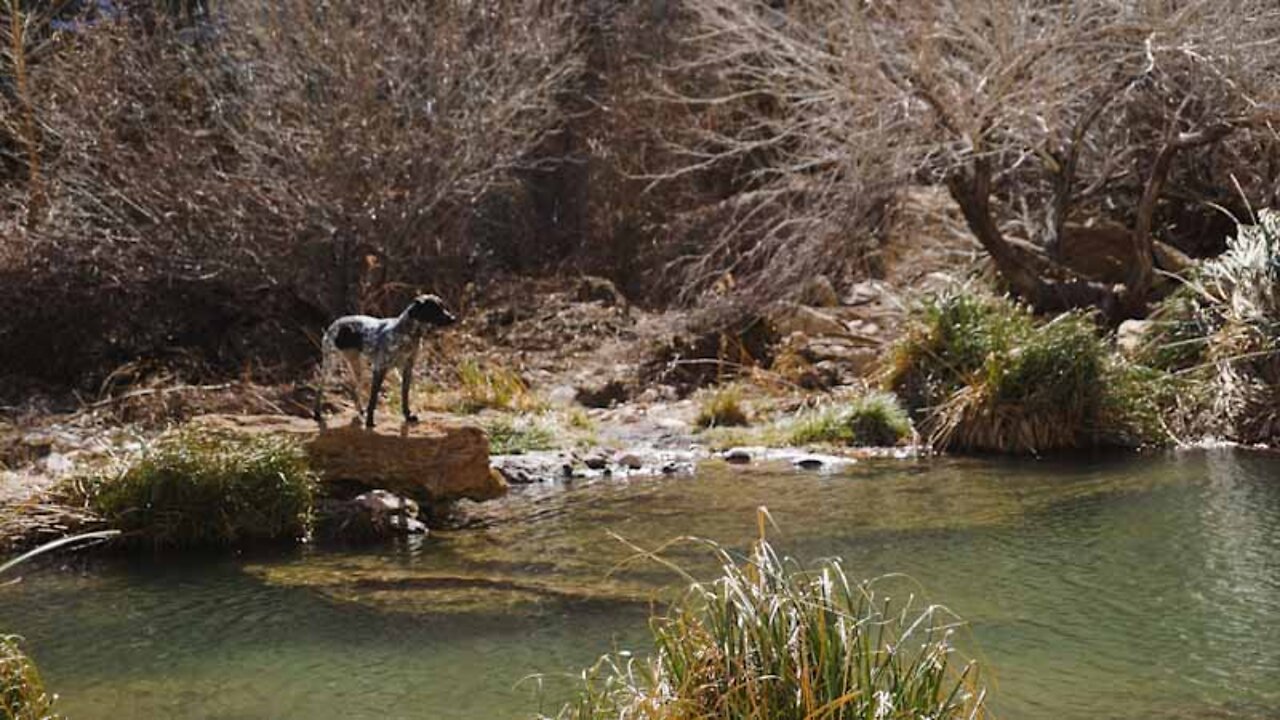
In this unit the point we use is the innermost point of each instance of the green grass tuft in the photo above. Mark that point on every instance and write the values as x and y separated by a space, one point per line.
980 373
202 488
513 437
722 407
770 639
871 420
22 693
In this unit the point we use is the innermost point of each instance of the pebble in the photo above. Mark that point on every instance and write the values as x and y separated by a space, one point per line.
631 461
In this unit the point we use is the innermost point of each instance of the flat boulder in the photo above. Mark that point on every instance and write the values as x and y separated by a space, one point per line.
437 460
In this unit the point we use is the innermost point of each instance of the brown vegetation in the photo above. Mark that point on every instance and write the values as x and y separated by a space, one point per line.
202 193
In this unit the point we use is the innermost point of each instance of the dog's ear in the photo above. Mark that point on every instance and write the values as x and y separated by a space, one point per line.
431 309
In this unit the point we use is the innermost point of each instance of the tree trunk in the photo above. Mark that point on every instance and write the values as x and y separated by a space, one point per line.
971 189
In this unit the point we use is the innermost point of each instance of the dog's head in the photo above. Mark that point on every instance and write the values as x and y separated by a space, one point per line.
430 310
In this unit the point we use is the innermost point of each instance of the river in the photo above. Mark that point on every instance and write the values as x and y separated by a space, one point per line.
1094 587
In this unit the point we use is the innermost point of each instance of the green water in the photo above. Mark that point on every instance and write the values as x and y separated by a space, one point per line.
1139 588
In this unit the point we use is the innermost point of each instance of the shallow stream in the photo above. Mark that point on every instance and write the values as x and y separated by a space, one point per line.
1096 588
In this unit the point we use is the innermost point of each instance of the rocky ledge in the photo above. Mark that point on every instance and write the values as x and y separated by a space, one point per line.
437 460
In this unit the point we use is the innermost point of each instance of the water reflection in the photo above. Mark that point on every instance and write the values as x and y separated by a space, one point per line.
1125 588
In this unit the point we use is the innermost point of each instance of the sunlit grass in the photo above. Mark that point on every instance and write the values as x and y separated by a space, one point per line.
982 373
475 387
198 487
771 639
874 419
512 436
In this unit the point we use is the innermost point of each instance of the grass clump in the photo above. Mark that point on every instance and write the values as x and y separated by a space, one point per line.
197 488
873 420
522 435
980 373
1221 333
22 693
772 640
492 387
722 408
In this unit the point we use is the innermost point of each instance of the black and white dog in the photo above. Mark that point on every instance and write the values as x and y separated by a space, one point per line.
387 343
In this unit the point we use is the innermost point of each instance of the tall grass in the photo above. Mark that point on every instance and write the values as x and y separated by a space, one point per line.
770 639
982 374
487 386
722 407
202 488
1221 333
22 692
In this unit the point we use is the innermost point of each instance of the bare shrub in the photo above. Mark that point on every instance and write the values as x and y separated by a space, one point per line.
1035 115
281 163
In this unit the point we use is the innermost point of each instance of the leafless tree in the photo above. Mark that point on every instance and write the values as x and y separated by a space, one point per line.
1036 115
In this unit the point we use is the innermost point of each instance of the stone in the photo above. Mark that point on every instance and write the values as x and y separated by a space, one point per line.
737 456
1130 336
595 462
382 501
809 462
373 515
407 525
631 461
601 395
790 318
562 395
437 460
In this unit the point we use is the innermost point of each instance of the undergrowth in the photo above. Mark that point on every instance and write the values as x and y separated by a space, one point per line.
874 419
981 373
722 407
1221 333
197 487
770 639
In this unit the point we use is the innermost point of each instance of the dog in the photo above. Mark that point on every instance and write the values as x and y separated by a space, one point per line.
387 343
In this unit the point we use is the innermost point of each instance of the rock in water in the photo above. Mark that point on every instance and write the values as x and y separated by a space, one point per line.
437 460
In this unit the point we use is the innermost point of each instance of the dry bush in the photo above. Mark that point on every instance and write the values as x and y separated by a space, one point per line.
775 150
211 188
1037 115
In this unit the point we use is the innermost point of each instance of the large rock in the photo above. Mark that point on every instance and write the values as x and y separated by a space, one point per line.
436 460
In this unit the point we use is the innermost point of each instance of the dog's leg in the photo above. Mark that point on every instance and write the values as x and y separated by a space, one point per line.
328 358
326 363
375 388
356 365
406 382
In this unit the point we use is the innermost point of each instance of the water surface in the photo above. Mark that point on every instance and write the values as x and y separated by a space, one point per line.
1135 588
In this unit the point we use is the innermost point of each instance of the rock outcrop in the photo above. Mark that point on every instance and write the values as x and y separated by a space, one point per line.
437 460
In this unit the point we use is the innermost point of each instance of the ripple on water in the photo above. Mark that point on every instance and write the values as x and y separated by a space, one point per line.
1100 588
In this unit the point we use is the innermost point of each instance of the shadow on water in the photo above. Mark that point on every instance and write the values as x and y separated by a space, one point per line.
1095 587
